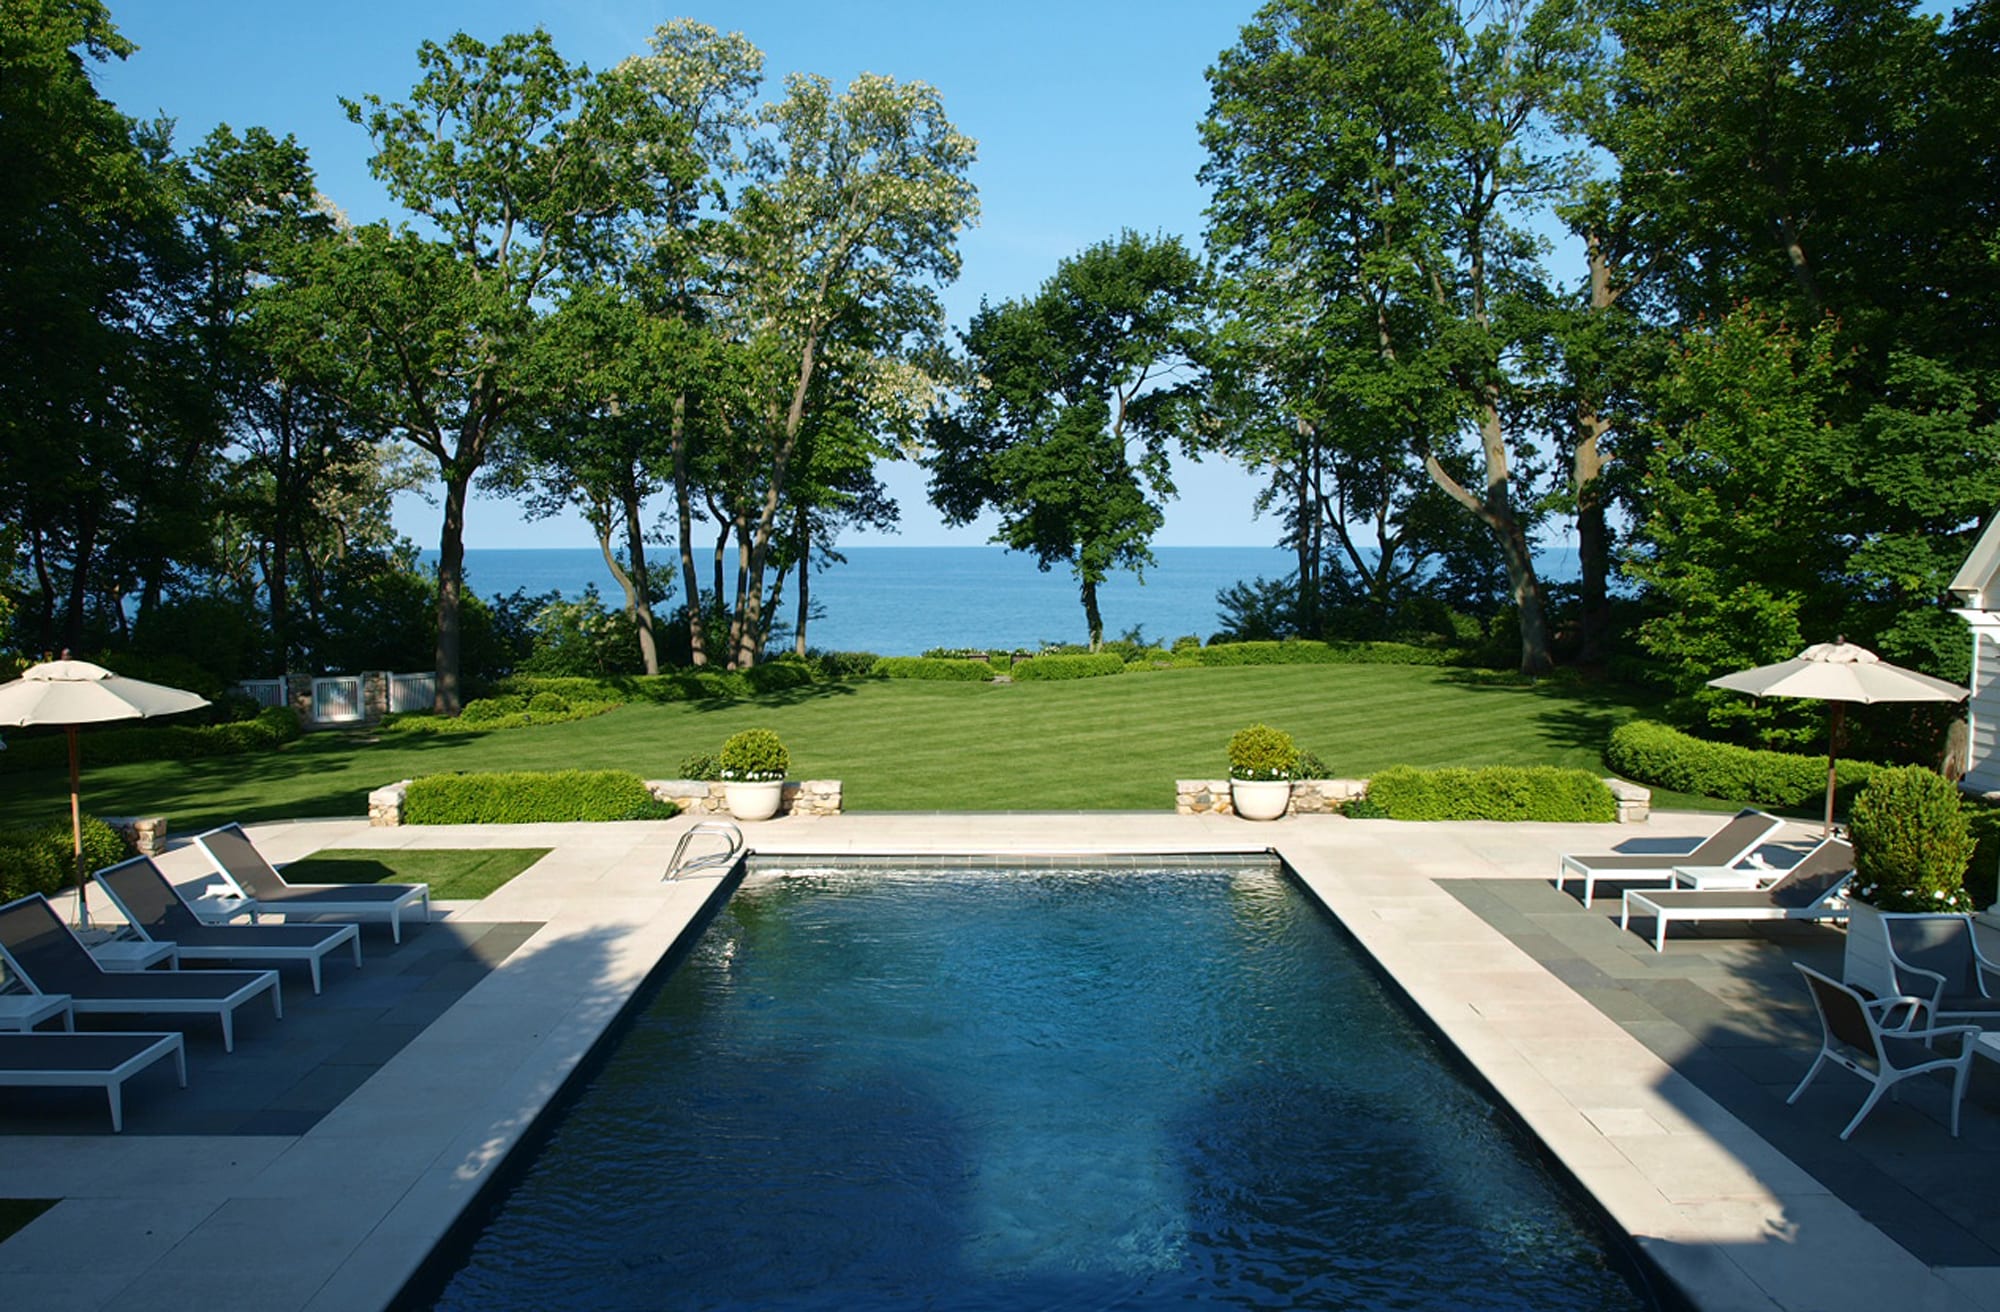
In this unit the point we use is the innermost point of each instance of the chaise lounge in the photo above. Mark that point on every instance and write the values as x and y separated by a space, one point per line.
69 1061
46 957
1728 846
1809 890
156 911
239 862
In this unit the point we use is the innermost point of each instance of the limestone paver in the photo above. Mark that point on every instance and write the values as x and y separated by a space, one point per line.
366 1193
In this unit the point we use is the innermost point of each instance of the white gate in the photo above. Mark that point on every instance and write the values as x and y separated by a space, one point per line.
265 692
337 699
412 692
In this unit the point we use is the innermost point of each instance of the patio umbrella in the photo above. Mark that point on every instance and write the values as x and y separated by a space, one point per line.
1839 672
72 693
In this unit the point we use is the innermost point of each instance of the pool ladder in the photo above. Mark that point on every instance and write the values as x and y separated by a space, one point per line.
680 863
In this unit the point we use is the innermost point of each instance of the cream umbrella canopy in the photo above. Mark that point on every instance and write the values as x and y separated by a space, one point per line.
1839 673
72 693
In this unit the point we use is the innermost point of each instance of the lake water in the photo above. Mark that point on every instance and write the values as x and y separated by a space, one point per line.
900 601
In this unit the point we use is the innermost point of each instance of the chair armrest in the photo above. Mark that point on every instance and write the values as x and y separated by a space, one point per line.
1908 976
1983 966
1882 1008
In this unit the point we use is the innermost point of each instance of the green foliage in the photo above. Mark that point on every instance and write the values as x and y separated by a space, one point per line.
1261 752
670 686
842 664
932 667
701 767
549 703
507 711
1311 767
1657 754
43 859
582 639
1048 668
273 727
485 710
1304 652
754 755
529 798
1493 792
1912 842
1362 808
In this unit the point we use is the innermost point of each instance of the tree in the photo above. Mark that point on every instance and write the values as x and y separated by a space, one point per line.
515 163
1073 400
835 250
1383 155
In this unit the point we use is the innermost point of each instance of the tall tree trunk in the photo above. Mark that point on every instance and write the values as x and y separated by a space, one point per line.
451 587
79 576
45 613
1493 510
684 528
640 589
1092 617
805 581
1593 531
1305 522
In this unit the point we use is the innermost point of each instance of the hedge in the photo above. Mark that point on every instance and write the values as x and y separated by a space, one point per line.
1050 668
671 686
949 669
509 711
1664 757
44 860
1493 792
1305 652
273 726
524 798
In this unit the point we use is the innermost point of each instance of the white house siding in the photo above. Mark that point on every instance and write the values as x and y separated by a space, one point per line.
1984 774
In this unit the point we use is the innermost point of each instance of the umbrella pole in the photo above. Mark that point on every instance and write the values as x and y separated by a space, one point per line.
76 831
1837 714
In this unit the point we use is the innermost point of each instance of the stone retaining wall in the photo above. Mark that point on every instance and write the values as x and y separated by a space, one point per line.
1321 796
144 835
694 796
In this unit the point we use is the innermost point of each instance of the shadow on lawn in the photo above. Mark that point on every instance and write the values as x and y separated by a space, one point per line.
1579 717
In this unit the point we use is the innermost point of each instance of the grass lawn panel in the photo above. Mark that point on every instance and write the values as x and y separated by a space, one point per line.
906 745
453 874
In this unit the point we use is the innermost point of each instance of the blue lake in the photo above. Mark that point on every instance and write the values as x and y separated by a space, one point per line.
899 601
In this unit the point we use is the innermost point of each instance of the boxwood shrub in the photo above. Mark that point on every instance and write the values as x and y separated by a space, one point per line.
510 711
1050 668
669 686
945 668
1664 757
1492 792
1302 651
272 727
44 860
524 797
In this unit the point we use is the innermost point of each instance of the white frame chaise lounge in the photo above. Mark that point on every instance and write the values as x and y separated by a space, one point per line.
239 862
1728 846
156 911
1809 890
81 1061
47 958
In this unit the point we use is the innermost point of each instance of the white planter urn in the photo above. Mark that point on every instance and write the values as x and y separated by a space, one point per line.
1260 799
754 800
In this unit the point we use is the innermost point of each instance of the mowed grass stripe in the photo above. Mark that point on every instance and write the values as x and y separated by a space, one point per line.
1097 744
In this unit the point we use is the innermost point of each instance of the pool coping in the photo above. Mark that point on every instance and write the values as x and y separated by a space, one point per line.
346 1213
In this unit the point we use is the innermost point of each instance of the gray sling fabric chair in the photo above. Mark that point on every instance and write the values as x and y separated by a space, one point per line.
155 910
48 958
1852 1038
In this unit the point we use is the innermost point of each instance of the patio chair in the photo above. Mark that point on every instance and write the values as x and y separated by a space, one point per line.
1853 1038
156 911
69 1061
47 958
1730 845
239 862
1809 890
1937 959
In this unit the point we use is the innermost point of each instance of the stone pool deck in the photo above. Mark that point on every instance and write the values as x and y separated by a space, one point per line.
328 1155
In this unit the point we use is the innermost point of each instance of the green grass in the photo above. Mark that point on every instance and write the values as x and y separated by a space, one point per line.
15 1213
1093 744
453 874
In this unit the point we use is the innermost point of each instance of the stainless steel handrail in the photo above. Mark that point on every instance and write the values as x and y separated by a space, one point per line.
679 863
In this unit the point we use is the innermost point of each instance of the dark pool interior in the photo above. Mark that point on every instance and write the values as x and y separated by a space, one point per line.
1026 1088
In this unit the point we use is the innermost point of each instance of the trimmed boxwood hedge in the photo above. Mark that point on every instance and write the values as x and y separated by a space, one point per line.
273 726
1492 792
523 797
44 860
508 711
1050 668
945 668
1305 652
1660 755
671 686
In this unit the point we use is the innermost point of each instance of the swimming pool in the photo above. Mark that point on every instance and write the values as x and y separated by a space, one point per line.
1015 1088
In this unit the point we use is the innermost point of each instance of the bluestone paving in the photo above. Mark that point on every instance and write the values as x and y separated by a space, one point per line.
1657 1082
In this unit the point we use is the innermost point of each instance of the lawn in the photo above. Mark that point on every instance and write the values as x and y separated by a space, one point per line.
1093 744
453 874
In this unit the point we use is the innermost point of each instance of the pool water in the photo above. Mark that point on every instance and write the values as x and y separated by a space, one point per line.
1007 1089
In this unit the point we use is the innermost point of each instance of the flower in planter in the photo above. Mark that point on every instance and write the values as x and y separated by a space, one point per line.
754 756
1912 842
1262 753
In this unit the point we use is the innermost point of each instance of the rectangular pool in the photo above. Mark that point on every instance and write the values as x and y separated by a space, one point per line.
883 1088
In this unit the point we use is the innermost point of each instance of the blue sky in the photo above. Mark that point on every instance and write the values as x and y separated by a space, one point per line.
1085 113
